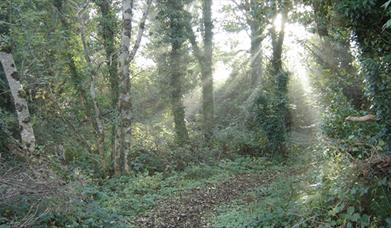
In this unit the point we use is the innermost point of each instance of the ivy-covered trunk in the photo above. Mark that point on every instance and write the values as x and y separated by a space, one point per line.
178 109
108 31
366 23
206 72
280 82
173 10
77 78
204 58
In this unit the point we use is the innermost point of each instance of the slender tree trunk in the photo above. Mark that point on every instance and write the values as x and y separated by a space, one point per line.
98 122
124 106
277 44
204 58
320 13
21 106
108 30
206 72
256 54
124 130
256 43
76 76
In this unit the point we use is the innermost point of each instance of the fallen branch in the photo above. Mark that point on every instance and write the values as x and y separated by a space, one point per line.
366 118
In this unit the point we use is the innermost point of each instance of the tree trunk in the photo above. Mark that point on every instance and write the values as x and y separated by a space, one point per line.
124 106
21 107
107 32
76 76
178 109
256 53
256 42
207 73
98 122
124 130
204 58
281 79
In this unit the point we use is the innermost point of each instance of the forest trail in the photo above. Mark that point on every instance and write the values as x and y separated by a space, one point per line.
193 208
190 208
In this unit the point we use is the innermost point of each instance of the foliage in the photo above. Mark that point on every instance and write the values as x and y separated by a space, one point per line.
334 194
373 47
269 114
116 201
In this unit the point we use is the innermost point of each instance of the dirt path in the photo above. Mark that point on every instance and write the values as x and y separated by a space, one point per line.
190 208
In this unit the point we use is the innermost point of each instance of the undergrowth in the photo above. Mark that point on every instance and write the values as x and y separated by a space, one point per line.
325 188
117 202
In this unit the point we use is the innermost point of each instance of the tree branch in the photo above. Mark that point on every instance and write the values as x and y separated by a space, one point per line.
366 118
191 36
140 31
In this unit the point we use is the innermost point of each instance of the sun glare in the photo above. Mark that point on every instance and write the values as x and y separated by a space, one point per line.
221 72
278 22
296 53
295 35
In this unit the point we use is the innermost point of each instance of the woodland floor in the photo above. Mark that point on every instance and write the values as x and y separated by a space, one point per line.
198 206
191 208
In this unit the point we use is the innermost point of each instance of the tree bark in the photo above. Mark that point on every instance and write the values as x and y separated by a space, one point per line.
178 109
256 29
206 72
204 58
108 33
124 129
21 106
256 53
123 135
277 43
281 77
366 118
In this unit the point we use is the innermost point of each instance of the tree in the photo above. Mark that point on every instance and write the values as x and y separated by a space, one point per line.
257 23
98 122
124 105
366 20
21 106
108 31
88 98
277 33
204 58
171 18
334 53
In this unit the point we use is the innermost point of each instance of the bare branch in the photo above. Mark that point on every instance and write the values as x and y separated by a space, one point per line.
140 31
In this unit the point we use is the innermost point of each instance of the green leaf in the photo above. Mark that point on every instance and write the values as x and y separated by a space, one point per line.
387 4
387 24
350 211
355 217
